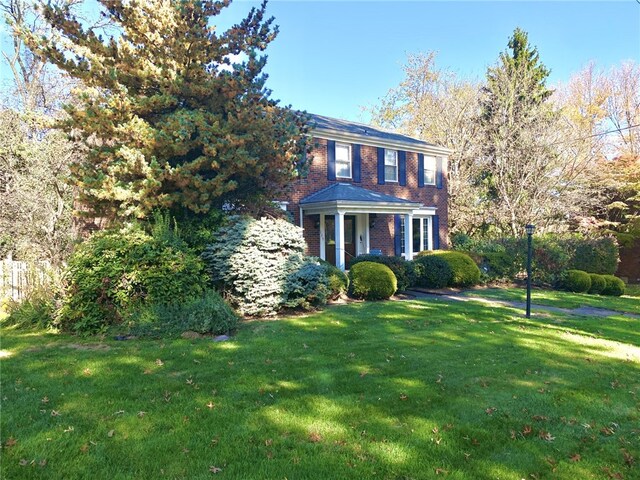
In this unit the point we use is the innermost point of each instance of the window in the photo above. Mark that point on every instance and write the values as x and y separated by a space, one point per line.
429 170
391 165
343 160
420 234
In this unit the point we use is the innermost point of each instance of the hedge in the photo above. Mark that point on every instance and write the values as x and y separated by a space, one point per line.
614 286
371 281
576 281
464 271
432 271
401 268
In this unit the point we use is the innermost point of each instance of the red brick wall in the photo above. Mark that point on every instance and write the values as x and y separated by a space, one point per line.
381 236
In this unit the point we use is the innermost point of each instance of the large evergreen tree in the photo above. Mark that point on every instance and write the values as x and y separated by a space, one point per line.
520 165
168 119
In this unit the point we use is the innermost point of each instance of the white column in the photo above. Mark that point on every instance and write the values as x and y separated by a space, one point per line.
301 219
408 236
430 233
323 240
366 233
339 221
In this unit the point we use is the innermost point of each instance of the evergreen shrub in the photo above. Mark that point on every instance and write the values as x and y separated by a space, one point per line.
598 283
575 281
595 255
261 267
614 287
114 272
432 271
371 281
464 271
401 268
338 280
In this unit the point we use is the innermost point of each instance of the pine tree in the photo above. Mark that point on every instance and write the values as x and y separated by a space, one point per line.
169 121
517 123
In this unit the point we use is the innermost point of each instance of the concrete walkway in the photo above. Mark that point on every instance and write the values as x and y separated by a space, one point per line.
584 311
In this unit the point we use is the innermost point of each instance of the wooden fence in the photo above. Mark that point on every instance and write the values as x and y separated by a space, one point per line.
17 278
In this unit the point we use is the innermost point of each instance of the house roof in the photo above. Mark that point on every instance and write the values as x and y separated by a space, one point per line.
368 134
346 192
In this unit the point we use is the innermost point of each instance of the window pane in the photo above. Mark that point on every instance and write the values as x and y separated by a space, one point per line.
342 153
402 234
390 157
343 169
430 170
426 233
390 173
416 235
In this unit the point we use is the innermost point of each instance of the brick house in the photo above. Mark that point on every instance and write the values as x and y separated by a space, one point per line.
370 191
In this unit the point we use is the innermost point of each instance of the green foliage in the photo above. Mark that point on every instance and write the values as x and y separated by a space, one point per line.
596 255
598 283
115 271
575 281
168 121
464 271
432 271
307 286
614 286
205 314
36 311
261 267
338 280
371 281
401 268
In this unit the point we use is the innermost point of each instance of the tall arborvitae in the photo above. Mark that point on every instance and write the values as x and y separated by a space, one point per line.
168 119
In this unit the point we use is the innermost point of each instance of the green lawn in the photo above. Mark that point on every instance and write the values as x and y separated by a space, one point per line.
554 298
393 390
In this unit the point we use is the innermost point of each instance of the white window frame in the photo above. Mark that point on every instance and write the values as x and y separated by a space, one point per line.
349 156
395 152
427 160
426 226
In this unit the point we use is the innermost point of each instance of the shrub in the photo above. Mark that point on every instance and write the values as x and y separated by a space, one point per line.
208 313
464 271
401 268
115 271
575 281
307 286
372 281
253 262
614 286
432 271
598 283
338 280
595 255
36 311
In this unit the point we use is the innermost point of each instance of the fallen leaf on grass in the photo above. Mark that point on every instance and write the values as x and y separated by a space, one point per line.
214 469
628 458
546 436
490 410
576 457
403 396
10 442
315 437
608 431
45 400
540 418
23 462
611 474
43 462
84 448
111 433
159 362
441 471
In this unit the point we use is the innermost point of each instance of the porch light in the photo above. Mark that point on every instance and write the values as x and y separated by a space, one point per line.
372 220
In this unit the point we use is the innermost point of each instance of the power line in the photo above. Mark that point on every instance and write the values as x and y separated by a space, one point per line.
617 130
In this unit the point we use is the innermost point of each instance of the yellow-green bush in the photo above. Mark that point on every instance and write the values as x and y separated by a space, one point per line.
371 281
598 283
576 281
615 286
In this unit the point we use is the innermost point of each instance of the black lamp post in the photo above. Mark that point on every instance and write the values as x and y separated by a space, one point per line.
529 229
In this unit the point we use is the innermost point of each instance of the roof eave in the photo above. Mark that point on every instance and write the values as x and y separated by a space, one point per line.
377 142
350 206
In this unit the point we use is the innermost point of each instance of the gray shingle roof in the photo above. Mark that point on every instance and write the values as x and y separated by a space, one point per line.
351 193
328 123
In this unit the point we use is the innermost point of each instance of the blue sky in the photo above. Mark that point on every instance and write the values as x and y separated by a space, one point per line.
333 58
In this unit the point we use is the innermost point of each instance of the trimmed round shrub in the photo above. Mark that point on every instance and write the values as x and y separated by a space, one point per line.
401 268
575 281
615 286
598 283
432 271
261 267
338 280
372 281
115 271
464 271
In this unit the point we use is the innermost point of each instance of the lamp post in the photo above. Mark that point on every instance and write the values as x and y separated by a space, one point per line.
529 229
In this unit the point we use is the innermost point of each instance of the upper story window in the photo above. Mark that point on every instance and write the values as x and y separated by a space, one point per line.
343 160
390 165
429 170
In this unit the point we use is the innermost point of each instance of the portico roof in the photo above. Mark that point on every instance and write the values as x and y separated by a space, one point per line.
345 196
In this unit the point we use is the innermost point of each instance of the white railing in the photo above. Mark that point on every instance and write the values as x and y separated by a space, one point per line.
17 278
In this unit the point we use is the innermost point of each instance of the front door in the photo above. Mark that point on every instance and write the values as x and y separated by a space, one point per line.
349 238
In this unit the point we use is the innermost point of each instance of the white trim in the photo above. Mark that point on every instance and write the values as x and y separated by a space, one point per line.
379 142
323 246
361 207
339 229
